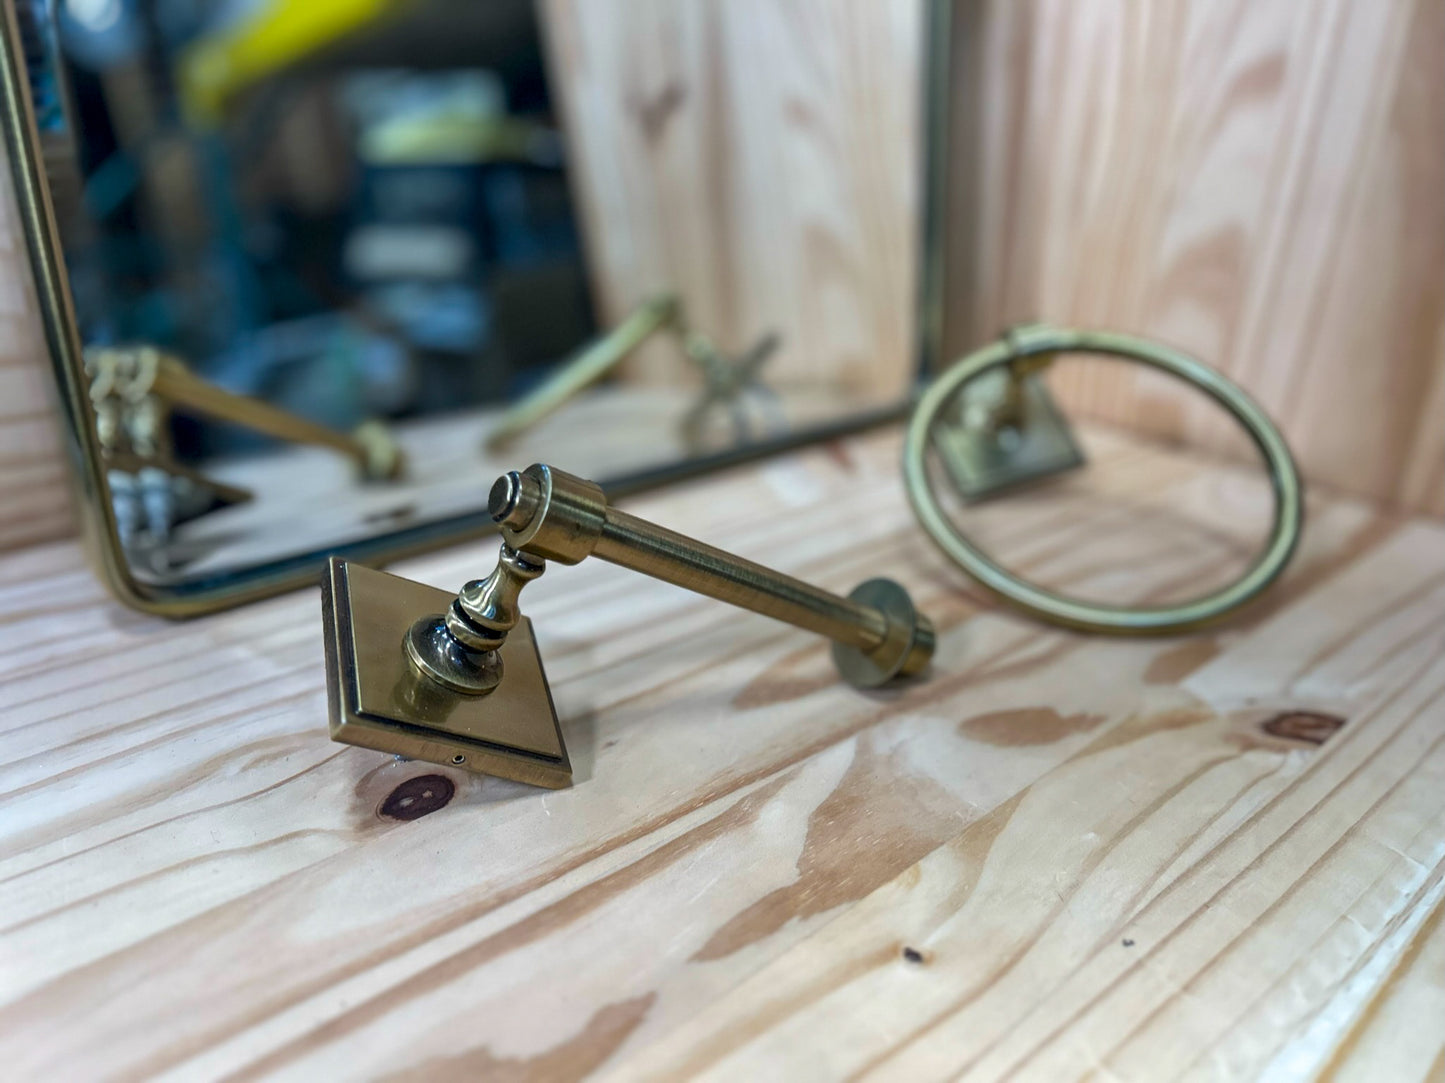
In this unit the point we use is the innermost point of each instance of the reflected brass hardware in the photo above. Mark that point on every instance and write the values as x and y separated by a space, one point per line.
1019 401
584 370
434 665
150 491
379 700
149 384
150 497
724 379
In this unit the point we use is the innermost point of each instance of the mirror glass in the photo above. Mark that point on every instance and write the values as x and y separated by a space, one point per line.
335 264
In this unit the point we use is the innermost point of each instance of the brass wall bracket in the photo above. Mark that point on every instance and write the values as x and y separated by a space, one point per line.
380 700
1004 429
151 492
457 679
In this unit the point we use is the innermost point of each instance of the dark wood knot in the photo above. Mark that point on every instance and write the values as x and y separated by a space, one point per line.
417 797
1312 727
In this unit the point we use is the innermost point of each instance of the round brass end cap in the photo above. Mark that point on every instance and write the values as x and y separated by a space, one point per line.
907 648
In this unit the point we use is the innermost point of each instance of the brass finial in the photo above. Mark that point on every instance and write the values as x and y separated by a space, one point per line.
459 648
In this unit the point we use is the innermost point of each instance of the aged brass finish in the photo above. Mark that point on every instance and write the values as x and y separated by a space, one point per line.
146 384
462 653
459 649
552 515
1005 431
584 370
1020 353
151 492
378 699
725 379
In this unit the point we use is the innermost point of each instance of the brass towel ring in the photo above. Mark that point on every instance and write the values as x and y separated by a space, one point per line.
1033 342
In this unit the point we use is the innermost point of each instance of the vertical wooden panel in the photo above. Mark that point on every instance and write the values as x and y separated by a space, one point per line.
760 157
1258 182
34 489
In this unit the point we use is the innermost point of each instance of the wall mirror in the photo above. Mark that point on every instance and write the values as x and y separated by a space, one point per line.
313 272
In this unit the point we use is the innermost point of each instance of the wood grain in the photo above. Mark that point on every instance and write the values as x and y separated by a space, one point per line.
1220 854
761 158
1255 181
34 488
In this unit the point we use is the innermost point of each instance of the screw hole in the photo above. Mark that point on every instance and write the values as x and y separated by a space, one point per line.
459 759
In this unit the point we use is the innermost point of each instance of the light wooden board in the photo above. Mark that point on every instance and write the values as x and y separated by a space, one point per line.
1058 856
1255 181
34 488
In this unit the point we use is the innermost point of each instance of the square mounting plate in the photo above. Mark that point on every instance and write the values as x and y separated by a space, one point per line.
984 462
378 700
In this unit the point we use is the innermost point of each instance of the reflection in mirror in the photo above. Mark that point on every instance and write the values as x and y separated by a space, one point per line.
329 264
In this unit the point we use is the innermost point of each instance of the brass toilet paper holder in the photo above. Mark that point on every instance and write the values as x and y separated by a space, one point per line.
457 679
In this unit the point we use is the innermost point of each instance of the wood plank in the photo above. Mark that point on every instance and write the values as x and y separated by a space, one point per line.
1398 1034
194 882
34 484
1210 908
1255 182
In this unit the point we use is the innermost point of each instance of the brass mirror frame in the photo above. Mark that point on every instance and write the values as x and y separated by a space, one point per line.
90 490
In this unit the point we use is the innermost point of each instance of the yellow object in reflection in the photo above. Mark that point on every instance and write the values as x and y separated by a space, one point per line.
274 37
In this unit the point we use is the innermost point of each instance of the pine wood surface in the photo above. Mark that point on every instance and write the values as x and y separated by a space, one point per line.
1059 856
34 486
1254 181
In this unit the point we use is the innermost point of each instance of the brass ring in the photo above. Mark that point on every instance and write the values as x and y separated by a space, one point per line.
1069 612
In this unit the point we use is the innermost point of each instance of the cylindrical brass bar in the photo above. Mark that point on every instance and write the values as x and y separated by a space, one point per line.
547 514
584 370
674 558
553 515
